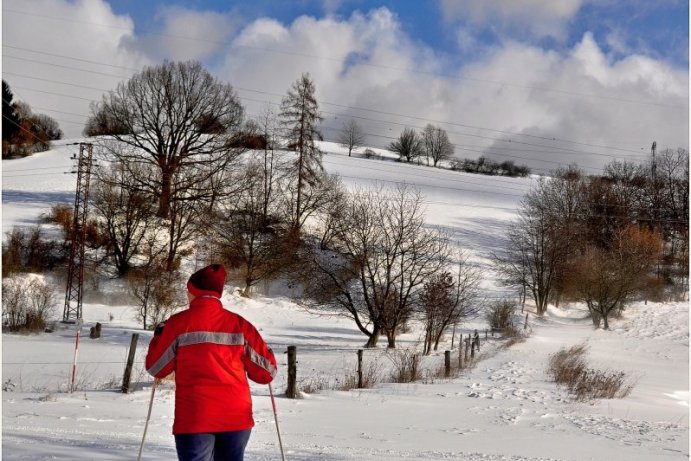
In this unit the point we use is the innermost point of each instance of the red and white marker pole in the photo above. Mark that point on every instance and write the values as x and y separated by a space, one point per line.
74 362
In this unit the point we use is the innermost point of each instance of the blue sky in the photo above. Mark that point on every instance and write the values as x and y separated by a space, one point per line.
541 82
659 28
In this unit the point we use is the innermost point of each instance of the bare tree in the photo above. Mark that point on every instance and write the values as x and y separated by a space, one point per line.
436 144
268 125
382 255
538 245
300 116
605 279
436 304
408 145
314 200
156 291
331 213
177 118
250 231
447 299
351 136
123 213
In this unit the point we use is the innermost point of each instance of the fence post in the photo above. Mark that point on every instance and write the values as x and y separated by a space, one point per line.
447 363
128 366
291 391
472 348
467 346
525 325
476 339
359 368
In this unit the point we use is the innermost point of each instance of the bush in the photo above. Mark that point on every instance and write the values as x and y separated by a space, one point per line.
157 292
406 366
371 376
62 214
500 317
27 303
27 251
369 153
569 368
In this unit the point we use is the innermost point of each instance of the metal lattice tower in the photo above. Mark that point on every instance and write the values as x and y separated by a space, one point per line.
75 269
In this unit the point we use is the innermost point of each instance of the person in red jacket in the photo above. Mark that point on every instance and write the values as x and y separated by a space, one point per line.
212 352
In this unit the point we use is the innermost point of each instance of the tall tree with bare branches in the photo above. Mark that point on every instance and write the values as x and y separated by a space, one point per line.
381 254
436 144
179 119
351 136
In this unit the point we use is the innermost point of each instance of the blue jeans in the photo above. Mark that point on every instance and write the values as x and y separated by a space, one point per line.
220 446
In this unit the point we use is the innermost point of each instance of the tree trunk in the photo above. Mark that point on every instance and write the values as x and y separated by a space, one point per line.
164 198
373 339
391 339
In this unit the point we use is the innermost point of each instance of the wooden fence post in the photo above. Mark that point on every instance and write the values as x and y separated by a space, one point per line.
291 391
126 378
359 368
472 349
476 339
447 363
525 325
467 346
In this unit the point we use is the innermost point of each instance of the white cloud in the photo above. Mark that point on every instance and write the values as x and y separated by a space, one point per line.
87 30
188 34
367 61
540 18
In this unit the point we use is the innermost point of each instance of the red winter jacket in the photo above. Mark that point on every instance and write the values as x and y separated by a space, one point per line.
212 351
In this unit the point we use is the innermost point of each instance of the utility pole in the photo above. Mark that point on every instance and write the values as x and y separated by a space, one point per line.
653 166
75 268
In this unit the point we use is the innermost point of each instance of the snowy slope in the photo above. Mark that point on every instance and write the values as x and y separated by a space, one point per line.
505 408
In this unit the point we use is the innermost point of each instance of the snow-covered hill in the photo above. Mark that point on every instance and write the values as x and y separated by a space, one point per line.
504 408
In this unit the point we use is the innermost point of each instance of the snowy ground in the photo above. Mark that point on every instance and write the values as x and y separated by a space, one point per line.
504 408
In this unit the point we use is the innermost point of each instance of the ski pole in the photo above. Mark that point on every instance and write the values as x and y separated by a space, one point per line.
148 417
278 431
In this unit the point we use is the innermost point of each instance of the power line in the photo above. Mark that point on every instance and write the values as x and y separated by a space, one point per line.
493 139
461 125
70 57
459 146
5 56
373 65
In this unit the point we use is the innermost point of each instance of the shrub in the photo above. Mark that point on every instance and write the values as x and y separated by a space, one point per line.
62 214
369 153
371 376
27 303
569 368
27 251
157 292
406 365
500 316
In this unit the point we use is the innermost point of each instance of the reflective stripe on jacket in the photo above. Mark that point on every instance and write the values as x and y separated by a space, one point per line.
212 352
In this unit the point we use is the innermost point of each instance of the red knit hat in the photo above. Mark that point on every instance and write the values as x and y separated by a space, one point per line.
208 281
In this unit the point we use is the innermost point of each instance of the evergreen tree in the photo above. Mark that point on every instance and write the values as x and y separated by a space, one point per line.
299 117
10 119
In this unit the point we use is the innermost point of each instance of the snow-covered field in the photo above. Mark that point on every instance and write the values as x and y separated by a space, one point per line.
504 408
